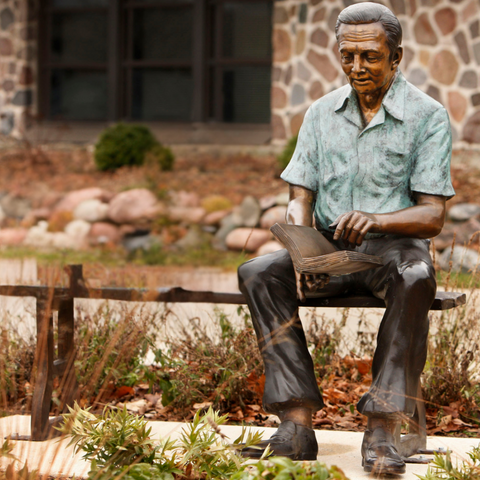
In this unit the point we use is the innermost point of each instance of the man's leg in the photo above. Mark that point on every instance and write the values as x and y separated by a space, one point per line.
291 390
407 283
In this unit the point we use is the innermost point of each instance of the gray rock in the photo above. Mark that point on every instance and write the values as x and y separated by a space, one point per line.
195 238
23 98
463 211
7 122
15 207
463 260
298 95
226 226
6 18
92 210
248 213
417 76
140 242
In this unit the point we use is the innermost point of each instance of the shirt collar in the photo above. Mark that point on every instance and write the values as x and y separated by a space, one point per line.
393 101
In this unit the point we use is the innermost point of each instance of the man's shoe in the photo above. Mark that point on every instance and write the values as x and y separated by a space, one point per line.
379 454
290 440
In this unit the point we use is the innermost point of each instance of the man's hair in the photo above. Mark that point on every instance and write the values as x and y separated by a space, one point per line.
368 12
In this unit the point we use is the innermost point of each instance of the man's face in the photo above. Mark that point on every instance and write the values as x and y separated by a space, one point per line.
366 57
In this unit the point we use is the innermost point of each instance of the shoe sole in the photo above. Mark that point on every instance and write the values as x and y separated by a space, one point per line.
383 470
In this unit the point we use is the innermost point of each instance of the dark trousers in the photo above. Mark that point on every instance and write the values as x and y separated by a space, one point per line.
406 282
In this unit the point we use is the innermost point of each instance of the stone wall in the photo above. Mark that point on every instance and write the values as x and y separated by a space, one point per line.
441 40
18 65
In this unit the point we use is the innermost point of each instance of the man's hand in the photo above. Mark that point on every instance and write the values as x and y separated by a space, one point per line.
353 226
309 283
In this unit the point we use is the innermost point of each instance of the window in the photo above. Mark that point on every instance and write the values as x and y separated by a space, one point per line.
157 60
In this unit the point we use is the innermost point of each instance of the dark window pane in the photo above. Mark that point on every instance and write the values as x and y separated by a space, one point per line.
162 94
247 30
78 95
79 37
79 3
163 34
246 94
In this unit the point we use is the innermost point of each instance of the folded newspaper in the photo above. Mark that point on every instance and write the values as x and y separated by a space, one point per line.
312 253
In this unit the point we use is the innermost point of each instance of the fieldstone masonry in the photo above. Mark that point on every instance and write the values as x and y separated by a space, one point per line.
441 57
441 40
18 65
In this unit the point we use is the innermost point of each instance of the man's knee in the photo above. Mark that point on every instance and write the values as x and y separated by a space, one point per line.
264 269
418 275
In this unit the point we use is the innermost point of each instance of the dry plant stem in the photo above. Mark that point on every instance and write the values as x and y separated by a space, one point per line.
299 415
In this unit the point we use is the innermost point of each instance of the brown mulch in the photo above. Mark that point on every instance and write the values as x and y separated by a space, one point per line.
44 175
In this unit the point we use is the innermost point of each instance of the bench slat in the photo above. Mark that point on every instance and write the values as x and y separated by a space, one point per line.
443 300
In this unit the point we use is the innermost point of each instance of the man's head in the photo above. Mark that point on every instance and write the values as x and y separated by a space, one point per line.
369 37
367 12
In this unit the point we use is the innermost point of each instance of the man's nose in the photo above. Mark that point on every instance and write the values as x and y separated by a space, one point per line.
357 64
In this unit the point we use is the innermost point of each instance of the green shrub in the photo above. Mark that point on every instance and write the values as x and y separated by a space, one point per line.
287 153
160 156
122 145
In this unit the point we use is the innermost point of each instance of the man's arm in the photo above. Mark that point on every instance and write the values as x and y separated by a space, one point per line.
300 212
424 220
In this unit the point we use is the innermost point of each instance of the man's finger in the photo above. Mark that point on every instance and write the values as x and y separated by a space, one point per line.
363 232
356 231
341 225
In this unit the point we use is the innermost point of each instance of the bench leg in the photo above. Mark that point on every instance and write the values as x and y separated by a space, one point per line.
42 395
66 354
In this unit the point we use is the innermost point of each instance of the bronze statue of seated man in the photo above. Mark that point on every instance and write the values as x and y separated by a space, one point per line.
372 166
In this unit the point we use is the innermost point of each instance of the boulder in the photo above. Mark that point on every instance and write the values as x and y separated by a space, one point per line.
186 214
12 236
463 260
70 201
272 216
267 202
134 206
248 239
140 242
269 247
78 231
282 198
92 211
33 216
103 232
248 213
463 211
194 238
215 218
184 199
227 225
15 207
39 236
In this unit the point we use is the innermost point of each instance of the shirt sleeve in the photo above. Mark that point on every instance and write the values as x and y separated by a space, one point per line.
431 170
303 169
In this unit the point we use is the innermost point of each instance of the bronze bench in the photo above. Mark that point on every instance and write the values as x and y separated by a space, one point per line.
61 299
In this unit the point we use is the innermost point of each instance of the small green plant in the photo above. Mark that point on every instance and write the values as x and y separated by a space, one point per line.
280 468
161 157
119 446
12 472
213 203
287 153
122 145
442 467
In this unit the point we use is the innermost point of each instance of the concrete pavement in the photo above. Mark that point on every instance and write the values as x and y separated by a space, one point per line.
342 449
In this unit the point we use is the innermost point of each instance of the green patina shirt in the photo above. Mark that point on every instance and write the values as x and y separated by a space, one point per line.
405 148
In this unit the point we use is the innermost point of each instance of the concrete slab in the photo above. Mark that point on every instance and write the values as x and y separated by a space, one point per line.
336 448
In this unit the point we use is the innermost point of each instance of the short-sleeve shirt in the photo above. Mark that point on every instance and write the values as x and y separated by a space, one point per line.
376 168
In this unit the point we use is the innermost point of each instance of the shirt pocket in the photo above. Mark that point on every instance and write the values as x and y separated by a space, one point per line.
391 167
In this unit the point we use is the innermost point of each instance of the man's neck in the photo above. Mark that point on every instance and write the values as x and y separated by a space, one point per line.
370 103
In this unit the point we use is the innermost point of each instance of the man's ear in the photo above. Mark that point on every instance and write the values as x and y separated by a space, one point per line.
397 57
